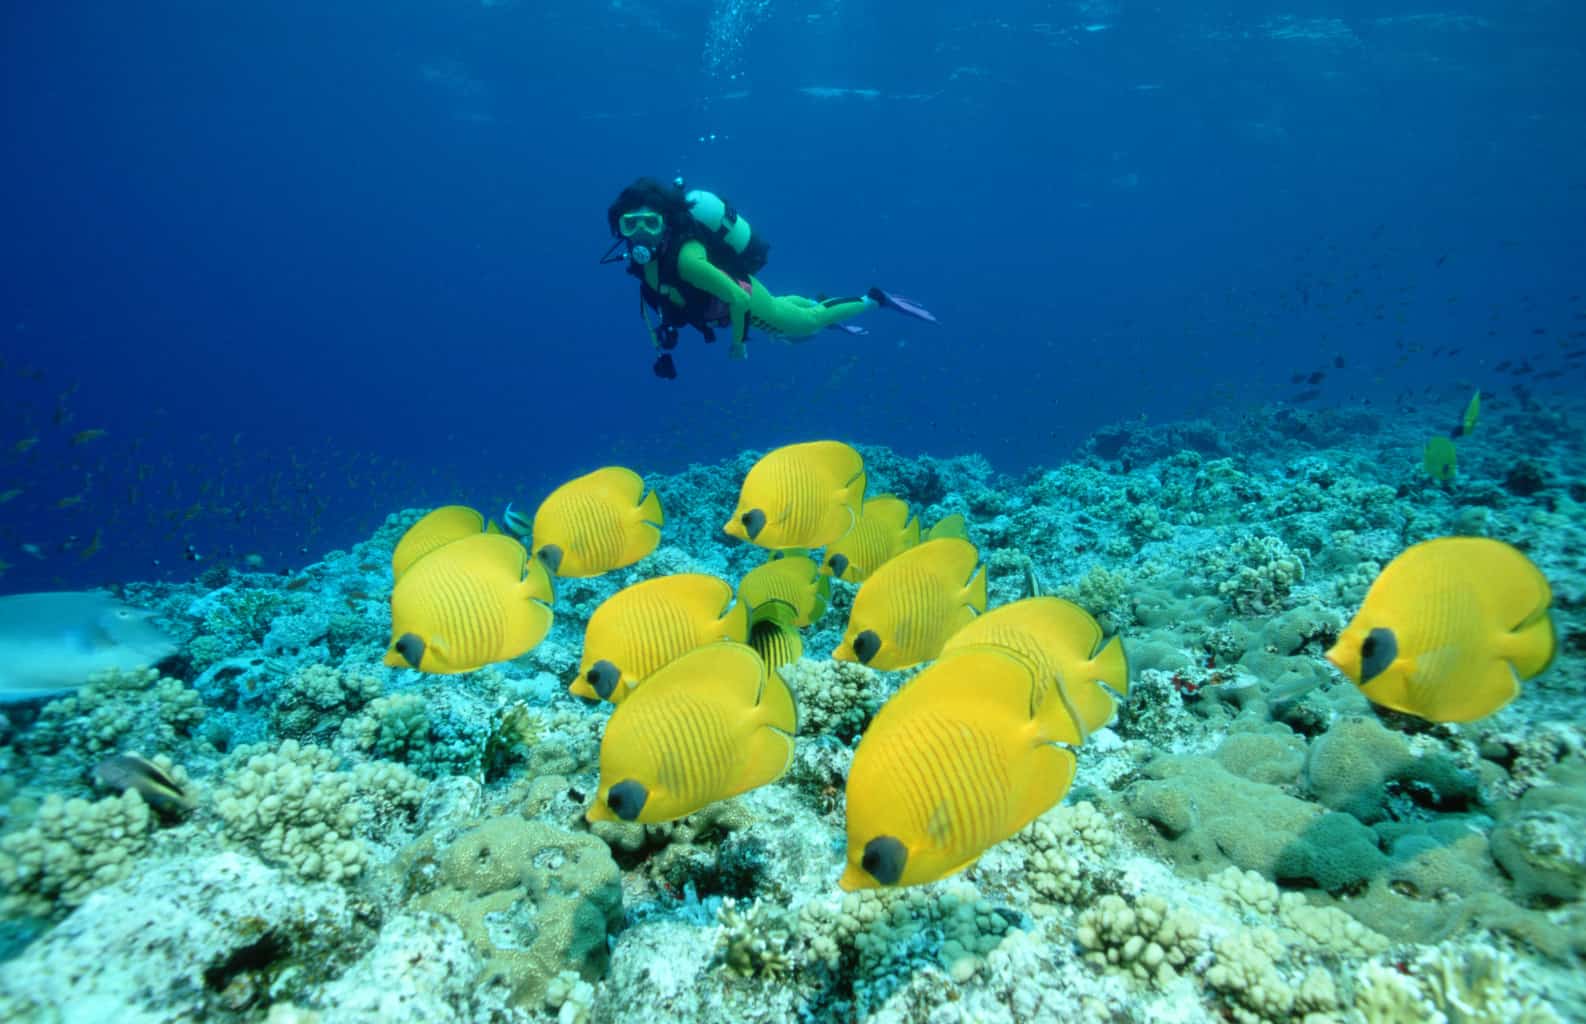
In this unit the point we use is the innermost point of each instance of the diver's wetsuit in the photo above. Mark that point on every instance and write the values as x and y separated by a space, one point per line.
686 288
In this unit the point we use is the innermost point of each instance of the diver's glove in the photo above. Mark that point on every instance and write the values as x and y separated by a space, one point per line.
664 367
738 351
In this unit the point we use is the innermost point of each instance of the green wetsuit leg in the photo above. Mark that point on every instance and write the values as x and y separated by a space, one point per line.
796 318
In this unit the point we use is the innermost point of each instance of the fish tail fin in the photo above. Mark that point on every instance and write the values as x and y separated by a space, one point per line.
650 510
768 754
1067 715
734 625
773 610
1531 647
1111 666
777 707
777 643
976 588
536 584
1048 782
823 595
949 526
854 495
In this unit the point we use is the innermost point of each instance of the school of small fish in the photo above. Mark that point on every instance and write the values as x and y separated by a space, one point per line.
979 743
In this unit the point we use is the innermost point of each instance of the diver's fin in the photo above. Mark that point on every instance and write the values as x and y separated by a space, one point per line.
907 307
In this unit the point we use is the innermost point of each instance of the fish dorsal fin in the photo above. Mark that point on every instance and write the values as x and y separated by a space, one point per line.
952 526
886 510
433 531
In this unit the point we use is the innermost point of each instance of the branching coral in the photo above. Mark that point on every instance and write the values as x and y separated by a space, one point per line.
754 942
1452 984
72 848
1146 938
1255 574
1067 848
317 699
295 808
117 709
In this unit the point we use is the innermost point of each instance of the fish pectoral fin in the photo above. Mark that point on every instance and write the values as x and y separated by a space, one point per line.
1464 693
939 827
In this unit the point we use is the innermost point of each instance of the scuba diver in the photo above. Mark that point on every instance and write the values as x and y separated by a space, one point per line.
696 258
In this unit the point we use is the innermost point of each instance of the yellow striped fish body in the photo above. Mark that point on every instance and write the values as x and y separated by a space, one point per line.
960 758
596 523
908 609
711 725
437 529
885 529
1065 647
800 496
795 581
470 603
774 636
1449 629
639 629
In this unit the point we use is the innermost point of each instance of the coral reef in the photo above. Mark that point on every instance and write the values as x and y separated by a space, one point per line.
1248 840
533 900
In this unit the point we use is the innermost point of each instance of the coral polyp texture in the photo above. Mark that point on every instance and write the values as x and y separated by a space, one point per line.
1249 839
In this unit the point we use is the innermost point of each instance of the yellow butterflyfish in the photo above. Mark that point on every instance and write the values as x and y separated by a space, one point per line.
908 609
640 629
712 724
800 496
472 602
965 755
1449 629
599 522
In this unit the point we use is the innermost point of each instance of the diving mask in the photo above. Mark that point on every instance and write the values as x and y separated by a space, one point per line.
643 230
637 222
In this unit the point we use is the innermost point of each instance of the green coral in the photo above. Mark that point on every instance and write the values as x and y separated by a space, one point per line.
1358 765
708 852
1541 838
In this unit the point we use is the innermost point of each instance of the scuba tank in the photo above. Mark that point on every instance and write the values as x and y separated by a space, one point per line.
719 218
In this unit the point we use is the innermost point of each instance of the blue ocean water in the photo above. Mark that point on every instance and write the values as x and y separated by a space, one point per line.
308 263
